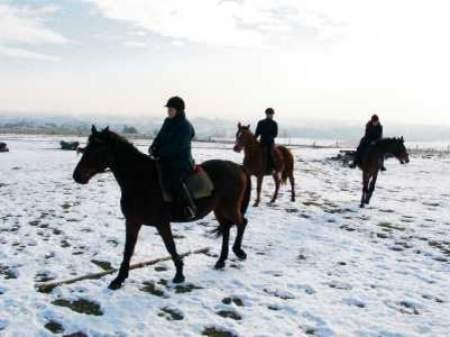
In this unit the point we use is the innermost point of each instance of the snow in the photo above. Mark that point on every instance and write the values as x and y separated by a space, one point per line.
317 267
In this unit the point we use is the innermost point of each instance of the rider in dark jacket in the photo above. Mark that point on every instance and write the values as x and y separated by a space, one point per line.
172 146
374 132
267 130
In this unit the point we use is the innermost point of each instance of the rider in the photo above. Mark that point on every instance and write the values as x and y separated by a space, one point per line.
374 132
172 146
267 130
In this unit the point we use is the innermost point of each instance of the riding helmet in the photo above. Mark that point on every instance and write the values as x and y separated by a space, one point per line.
175 102
375 118
270 111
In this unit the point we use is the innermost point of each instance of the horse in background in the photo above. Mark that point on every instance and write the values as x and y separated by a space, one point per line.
255 162
372 161
142 200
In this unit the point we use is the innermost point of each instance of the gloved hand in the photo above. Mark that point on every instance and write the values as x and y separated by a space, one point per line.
153 151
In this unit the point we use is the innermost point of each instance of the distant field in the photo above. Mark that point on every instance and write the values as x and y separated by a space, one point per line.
213 142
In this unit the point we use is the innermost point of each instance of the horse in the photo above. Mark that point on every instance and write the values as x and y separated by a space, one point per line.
142 200
372 161
255 162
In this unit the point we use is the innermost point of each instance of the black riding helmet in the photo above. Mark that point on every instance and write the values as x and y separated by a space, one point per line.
176 102
270 111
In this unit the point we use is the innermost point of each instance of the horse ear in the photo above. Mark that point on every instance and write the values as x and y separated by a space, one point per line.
239 125
402 139
248 126
94 129
106 129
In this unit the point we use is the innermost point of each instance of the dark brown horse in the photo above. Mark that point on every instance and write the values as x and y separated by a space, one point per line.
142 202
255 162
372 162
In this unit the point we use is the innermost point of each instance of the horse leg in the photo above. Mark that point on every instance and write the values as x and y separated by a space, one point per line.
259 181
364 189
372 187
166 234
224 229
276 178
237 246
292 181
132 231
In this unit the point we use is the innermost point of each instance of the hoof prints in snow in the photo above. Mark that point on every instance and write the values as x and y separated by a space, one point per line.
340 286
281 294
186 288
171 314
81 306
76 334
235 300
44 277
7 272
404 307
355 303
161 268
217 332
154 289
54 327
229 314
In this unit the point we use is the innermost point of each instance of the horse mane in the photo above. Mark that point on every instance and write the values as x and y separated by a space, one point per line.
386 144
124 146
387 141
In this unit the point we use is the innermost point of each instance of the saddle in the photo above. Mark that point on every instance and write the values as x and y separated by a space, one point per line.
199 185
270 158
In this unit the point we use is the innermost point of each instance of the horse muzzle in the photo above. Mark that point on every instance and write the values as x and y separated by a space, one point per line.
237 149
82 178
404 160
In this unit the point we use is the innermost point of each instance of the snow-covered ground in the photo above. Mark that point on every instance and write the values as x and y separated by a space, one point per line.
316 267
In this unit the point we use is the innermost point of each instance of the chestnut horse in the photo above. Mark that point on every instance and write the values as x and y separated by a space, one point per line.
256 164
142 200
372 161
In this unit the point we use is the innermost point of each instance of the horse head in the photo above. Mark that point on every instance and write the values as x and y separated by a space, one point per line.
243 136
97 156
398 149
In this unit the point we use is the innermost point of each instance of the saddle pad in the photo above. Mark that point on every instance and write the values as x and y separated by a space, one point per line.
199 185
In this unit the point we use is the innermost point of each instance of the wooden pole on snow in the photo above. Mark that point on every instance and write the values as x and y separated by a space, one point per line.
49 286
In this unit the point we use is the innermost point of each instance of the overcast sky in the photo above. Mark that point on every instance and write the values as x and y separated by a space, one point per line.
318 59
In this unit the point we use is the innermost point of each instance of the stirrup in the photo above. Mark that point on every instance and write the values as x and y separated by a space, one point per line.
189 213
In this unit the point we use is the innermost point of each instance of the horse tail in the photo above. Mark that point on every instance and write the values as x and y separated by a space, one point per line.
288 159
218 232
247 194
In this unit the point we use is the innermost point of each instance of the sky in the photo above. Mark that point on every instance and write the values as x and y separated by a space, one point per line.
229 59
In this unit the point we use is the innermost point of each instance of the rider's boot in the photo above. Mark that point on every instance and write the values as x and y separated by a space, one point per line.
190 209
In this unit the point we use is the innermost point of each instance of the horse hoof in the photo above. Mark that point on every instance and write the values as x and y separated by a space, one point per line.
256 204
114 285
178 279
219 265
361 206
240 254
